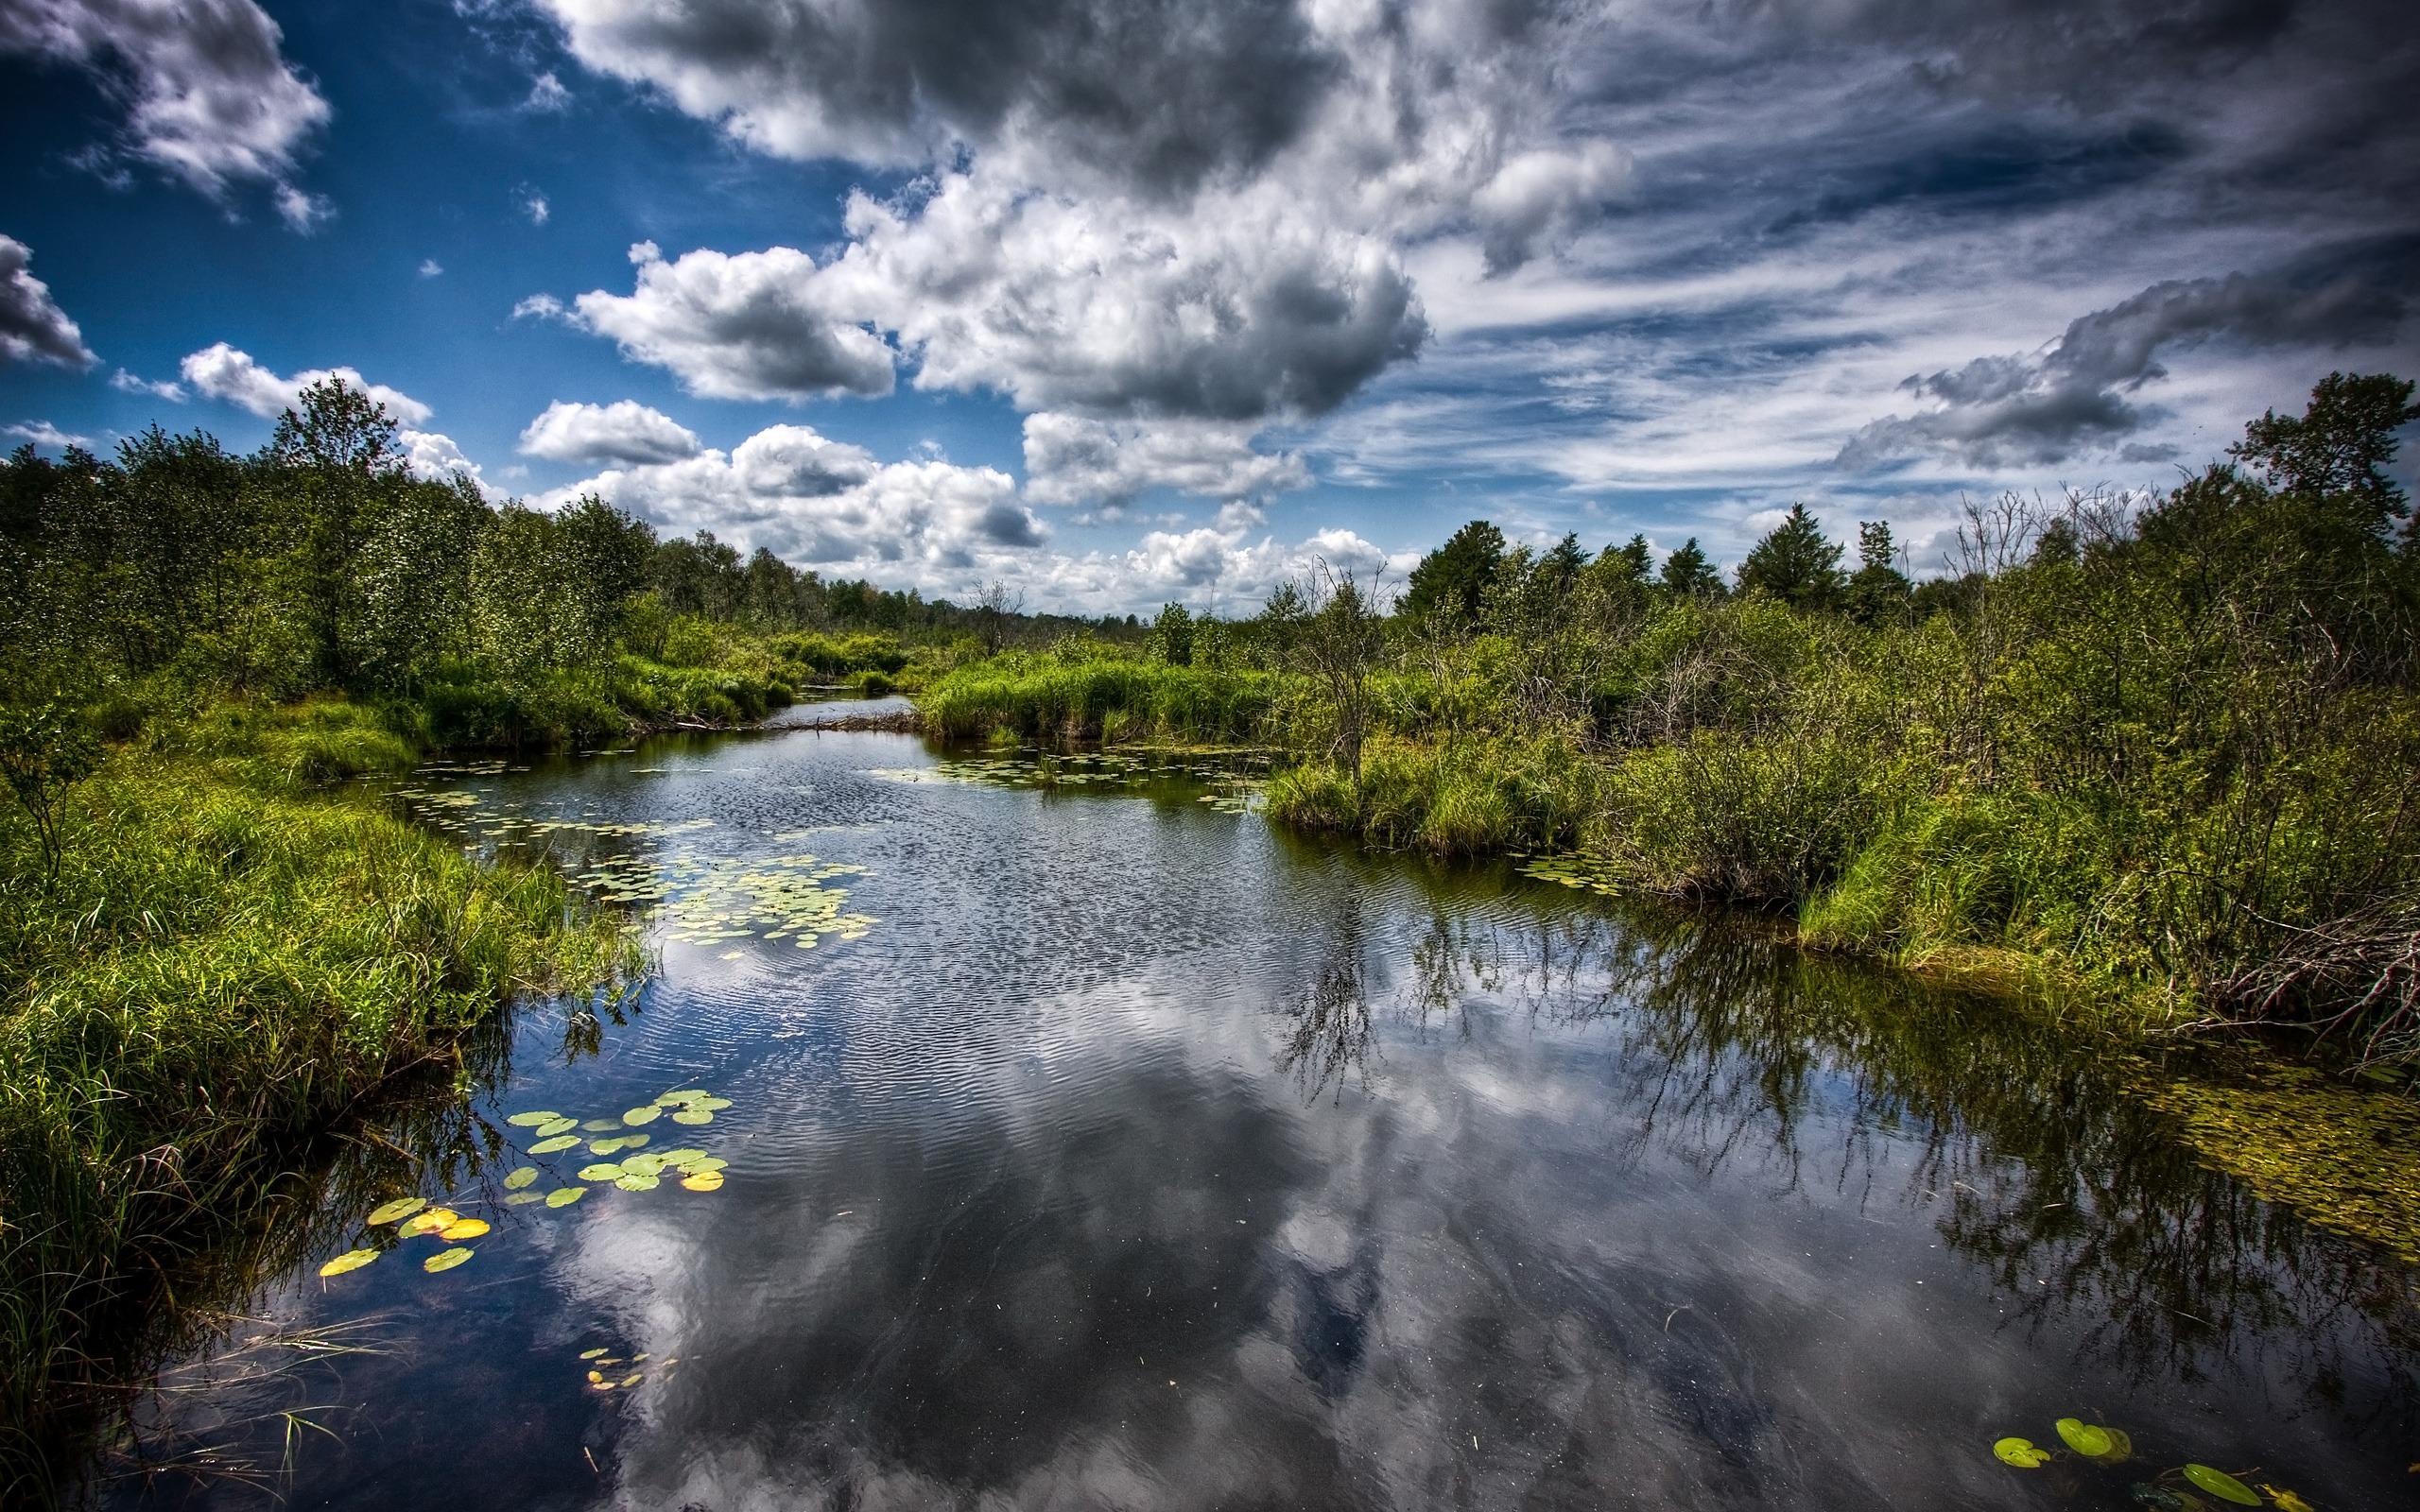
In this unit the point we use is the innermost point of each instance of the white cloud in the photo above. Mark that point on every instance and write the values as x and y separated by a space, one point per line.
624 431
126 383
432 455
540 307
32 326
429 267
755 326
533 204
223 373
43 433
208 96
301 212
1075 459
547 95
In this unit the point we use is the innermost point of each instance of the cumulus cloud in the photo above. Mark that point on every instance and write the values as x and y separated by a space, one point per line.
759 325
223 373
432 454
624 431
1076 459
32 326
547 95
2072 395
43 433
208 96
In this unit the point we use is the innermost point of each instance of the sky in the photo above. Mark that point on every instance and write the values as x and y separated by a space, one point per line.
1129 301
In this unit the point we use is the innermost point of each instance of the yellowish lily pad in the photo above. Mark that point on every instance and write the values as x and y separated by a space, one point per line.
400 1207
2087 1439
463 1228
2021 1452
565 1196
427 1222
704 1181
445 1259
349 1259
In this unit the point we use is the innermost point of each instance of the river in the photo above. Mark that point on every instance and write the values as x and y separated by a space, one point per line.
1093 1143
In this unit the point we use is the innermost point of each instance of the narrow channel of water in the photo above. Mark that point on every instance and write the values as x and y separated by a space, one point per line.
1099 1146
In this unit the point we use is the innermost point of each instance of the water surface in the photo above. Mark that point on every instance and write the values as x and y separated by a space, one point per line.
1109 1148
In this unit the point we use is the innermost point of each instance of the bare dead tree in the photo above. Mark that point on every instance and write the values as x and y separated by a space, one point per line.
994 607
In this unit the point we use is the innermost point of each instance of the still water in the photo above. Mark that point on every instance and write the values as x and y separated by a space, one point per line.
1109 1148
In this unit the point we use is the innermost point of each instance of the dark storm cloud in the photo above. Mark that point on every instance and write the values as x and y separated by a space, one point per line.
32 326
1161 93
2073 397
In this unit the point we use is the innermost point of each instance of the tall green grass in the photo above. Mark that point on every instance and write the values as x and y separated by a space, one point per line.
228 963
1042 696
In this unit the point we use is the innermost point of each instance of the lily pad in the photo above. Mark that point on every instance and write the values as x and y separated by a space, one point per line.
2021 1452
427 1222
557 1125
560 1141
2087 1439
601 1171
644 1165
704 1181
605 1147
2286 1500
684 1156
445 1259
515 1180
602 1125
643 1115
565 1196
463 1228
631 1380
711 1104
693 1115
633 1181
349 1259
590 1354
703 1165
2222 1486
522 1199
531 1120
400 1207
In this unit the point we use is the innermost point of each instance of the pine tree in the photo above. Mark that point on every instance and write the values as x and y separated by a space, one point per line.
1878 592
1795 564
1689 574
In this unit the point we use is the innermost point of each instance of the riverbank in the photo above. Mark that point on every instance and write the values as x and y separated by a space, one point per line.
232 956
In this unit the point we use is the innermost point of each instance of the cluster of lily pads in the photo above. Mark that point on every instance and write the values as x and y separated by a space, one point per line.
1572 872
601 1361
1232 791
2172 1490
555 1133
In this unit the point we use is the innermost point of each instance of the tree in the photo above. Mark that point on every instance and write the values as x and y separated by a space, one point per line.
994 608
2336 449
45 750
1172 636
1794 563
1689 574
1449 587
1338 636
336 459
1877 592
1632 559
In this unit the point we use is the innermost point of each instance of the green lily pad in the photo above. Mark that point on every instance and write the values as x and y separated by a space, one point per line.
711 1103
2087 1439
673 1099
349 1259
445 1260
602 1125
643 1115
400 1207
703 1164
522 1199
557 1125
560 1141
601 1171
633 1182
590 1354
603 1146
565 1196
684 1156
2222 1486
531 1120
2021 1452
515 1180
644 1165
693 1115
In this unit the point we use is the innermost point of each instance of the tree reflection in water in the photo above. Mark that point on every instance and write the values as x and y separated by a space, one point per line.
2072 1197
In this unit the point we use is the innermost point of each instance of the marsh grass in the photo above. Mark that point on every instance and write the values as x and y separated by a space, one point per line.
1046 697
229 963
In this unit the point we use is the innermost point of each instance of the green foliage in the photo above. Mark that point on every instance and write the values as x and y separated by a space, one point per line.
1795 564
1171 637
1051 696
1689 574
45 750
1450 584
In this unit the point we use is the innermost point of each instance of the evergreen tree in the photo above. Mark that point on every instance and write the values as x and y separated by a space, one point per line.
1794 563
1689 574
1636 559
1877 592
1450 584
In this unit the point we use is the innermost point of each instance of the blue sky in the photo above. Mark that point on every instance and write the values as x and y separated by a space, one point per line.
1171 298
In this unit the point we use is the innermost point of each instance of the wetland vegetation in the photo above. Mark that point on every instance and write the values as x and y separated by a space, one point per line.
2150 759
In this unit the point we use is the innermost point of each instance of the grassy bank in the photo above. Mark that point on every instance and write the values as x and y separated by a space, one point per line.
229 959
